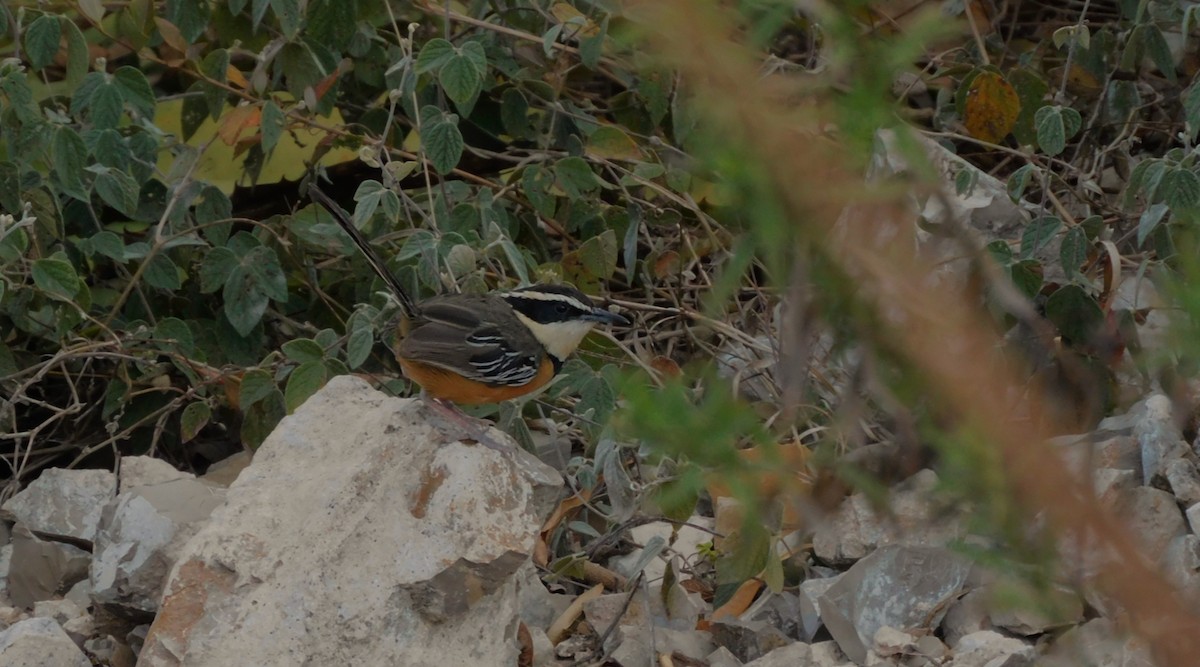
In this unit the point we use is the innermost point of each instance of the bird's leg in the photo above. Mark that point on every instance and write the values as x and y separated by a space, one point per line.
470 427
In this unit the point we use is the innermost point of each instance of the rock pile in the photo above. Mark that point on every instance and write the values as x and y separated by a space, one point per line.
366 533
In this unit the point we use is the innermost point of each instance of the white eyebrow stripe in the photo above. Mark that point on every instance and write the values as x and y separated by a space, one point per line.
548 296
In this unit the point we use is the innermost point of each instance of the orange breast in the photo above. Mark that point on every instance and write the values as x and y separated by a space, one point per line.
450 386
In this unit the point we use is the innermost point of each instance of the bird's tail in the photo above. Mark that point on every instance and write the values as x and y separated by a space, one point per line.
406 303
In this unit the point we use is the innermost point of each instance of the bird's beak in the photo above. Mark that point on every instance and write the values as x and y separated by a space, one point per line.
603 316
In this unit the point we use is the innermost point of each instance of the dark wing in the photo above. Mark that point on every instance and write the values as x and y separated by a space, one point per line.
461 334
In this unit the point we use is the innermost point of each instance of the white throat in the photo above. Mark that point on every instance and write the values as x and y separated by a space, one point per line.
559 338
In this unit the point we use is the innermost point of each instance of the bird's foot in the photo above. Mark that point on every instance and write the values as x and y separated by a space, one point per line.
465 426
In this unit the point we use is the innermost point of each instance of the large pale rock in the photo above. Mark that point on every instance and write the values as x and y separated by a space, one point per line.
142 533
1153 517
63 503
41 569
904 587
360 535
39 642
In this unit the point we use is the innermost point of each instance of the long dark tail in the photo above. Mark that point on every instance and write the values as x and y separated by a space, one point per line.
406 303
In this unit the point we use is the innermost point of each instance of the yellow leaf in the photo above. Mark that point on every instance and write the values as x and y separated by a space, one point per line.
171 34
992 107
610 143
565 13
223 165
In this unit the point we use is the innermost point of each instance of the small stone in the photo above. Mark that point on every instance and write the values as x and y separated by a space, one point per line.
41 569
865 598
39 642
966 615
1098 643
829 654
810 593
80 629
722 658
915 518
691 644
1058 607
889 642
59 611
81 594
142 533
1184 480
1152 516
1110 483
747 640
1160 439
108 650
63 503
10 616
780 610
145 471
785 656
992 649
1193 518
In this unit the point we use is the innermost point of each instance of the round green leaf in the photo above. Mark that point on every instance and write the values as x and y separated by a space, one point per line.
434 54
1075 313
194 418
256 385
460 79
304 382
443 144
303 350
41 40
56 276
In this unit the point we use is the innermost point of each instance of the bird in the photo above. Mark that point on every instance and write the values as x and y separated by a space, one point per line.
473 349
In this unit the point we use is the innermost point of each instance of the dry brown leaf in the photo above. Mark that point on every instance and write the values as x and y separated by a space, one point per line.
561 625
741 600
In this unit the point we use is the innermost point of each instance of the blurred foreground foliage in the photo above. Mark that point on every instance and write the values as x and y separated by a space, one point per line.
164 289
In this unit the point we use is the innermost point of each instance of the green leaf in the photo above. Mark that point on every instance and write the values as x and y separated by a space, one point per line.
1054 125
215 67
1191 107
106 107
256 385
360 342
273 120
303 350
256 277
108 244
303 383
460 79
190 16
1027 276
136 90
77 52
162 273
70 154
434 54
173 334
1018 181
288 13
216 268
575 177
1038 233
1149 220
1075 313
535 183
118 190
1073 251
443 143
1159 52
41 40
514 114
193 420
56 276
1180 188
262 418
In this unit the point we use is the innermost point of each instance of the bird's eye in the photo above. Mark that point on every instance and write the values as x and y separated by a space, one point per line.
561 308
